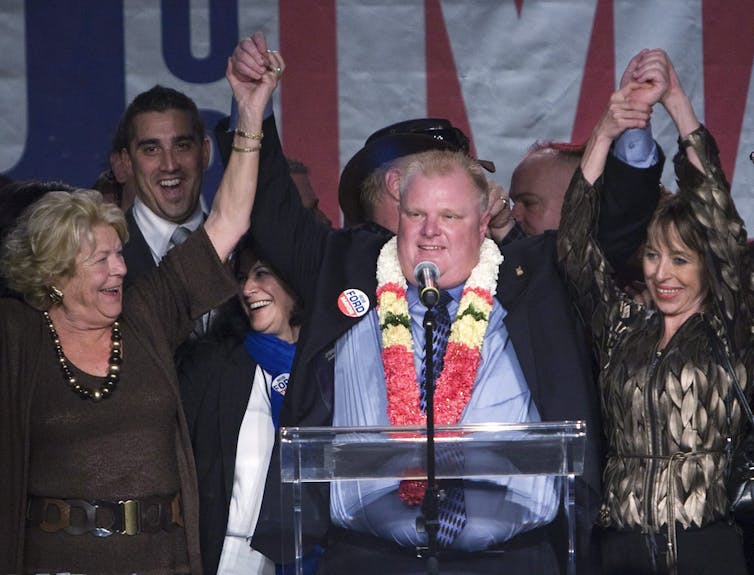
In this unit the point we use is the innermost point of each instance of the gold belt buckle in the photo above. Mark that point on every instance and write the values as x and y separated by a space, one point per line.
130 517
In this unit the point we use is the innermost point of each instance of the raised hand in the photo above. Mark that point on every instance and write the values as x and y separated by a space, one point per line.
651 71
501 217
624 111
656 81
679 107
253 73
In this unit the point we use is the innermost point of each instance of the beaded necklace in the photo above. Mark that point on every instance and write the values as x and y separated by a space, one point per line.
113 368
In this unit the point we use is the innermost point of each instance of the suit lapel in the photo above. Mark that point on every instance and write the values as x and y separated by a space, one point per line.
328 322
513 281
345 266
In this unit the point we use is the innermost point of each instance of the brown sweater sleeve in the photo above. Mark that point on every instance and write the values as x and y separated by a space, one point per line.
190 281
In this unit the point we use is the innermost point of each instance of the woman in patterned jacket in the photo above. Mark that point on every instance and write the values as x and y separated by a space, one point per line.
667 401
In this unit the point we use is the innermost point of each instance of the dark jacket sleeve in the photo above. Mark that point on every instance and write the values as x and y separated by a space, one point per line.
285 233
293 241
626 205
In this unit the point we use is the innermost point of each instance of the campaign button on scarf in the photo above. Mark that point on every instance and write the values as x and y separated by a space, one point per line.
353 302
280 383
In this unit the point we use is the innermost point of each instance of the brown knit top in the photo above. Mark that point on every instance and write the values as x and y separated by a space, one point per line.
131 445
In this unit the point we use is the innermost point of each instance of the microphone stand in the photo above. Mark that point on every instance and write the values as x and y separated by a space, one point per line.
432 493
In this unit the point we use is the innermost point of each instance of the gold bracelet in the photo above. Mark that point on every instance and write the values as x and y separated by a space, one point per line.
250 135
240 149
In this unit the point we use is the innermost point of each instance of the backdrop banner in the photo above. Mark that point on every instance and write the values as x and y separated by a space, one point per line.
509 73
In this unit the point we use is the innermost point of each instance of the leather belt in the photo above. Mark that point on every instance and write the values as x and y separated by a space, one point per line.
103 517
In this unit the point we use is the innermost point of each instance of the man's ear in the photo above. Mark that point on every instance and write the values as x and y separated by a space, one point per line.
393 183
120 163
484 223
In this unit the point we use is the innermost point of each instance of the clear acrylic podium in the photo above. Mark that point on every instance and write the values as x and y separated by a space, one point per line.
327 454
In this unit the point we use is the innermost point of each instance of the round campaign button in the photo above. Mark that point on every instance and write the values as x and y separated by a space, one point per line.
280 383
353 302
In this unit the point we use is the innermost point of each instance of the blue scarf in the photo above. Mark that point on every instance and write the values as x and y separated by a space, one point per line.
275 356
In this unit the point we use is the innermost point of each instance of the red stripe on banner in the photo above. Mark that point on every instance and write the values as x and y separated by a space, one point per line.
444 96
728 44
599 73
309 94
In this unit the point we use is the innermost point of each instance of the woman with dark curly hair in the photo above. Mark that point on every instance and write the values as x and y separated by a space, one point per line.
232 384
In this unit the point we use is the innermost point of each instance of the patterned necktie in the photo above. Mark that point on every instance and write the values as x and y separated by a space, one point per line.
451 510
439 343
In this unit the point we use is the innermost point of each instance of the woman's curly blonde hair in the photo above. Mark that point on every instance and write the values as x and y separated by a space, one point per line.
44 244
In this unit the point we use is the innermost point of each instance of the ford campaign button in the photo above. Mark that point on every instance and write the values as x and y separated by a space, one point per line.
280 383
353 302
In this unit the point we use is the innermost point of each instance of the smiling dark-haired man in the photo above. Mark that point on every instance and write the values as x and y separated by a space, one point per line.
166 152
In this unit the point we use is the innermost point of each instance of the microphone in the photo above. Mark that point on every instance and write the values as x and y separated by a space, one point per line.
426 275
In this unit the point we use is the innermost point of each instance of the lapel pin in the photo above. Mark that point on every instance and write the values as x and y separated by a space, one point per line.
519 271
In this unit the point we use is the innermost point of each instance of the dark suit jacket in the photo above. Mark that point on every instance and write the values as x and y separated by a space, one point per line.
319 263
136 252
215 381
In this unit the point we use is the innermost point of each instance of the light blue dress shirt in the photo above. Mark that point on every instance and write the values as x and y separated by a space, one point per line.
496 510
637 148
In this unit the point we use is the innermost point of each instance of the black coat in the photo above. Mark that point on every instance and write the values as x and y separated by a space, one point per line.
215 381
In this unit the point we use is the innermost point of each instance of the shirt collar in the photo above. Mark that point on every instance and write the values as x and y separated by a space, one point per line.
157 231
416 306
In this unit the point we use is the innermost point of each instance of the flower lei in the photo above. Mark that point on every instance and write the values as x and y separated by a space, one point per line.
462 355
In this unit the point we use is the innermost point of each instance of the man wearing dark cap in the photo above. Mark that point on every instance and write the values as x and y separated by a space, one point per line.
368 189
